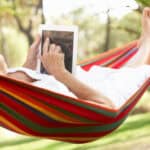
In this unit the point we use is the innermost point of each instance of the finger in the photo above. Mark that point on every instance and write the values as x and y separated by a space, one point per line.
52 48
39 56
45 46
36 42
58 49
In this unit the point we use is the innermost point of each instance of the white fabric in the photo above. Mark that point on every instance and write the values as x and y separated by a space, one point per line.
116 84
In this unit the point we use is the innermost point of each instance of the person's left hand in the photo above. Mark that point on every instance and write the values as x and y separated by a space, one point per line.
31 61
53 58
3 65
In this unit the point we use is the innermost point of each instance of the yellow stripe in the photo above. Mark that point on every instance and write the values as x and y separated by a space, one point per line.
18 130
37 108
12 126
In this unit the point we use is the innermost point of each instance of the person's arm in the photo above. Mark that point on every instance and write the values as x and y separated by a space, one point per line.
53 61
19 75
31 60
30 63
81 90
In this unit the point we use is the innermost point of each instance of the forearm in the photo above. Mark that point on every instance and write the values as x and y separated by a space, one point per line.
19 75
81 90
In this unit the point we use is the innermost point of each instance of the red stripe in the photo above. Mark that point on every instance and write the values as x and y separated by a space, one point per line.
35 118
27 96
22 110
26 129
124 113
72 108
34 133
121 62
24 92
104 60
17 123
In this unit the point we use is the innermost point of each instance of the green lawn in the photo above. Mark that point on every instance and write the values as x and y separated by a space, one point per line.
134 134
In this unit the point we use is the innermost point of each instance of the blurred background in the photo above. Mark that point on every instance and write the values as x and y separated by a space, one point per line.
102 25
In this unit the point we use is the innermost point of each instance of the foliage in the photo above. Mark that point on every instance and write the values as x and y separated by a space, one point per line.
92 30
23 18
15 45
144 2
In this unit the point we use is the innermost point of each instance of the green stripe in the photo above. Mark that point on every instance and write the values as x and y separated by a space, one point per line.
70 114
71 101
78 129
83 105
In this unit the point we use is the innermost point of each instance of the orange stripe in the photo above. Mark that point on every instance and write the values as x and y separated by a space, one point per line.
18 130
82 139
42 108
109 52
12 126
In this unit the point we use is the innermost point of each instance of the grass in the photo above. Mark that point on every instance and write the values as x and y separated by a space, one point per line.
134 134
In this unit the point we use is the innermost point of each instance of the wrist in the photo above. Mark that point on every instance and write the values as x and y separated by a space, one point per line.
60 75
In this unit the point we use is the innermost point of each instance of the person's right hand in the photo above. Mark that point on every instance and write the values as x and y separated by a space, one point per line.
53 58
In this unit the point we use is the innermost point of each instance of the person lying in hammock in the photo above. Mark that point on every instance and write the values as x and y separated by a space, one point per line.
99 84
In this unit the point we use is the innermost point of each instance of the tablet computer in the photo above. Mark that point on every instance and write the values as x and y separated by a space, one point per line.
64 36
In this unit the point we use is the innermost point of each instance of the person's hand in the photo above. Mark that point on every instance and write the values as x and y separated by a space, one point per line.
53 58
3 65
31 61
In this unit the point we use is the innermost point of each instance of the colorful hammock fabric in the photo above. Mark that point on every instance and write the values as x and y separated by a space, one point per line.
34 111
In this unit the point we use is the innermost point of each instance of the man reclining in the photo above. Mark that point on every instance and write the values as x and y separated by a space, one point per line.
85 85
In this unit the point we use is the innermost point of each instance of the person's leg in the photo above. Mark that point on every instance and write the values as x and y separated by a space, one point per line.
143 54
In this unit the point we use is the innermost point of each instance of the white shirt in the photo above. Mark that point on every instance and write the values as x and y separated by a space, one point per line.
116 84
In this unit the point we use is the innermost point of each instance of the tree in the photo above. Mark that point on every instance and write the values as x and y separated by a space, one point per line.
18 16
143 3
108 31
25 15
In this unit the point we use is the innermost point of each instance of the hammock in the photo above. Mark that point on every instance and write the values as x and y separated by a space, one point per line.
34 111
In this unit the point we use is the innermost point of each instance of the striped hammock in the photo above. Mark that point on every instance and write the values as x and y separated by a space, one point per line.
34 111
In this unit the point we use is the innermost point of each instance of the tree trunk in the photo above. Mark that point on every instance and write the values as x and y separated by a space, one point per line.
108 29
27 30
